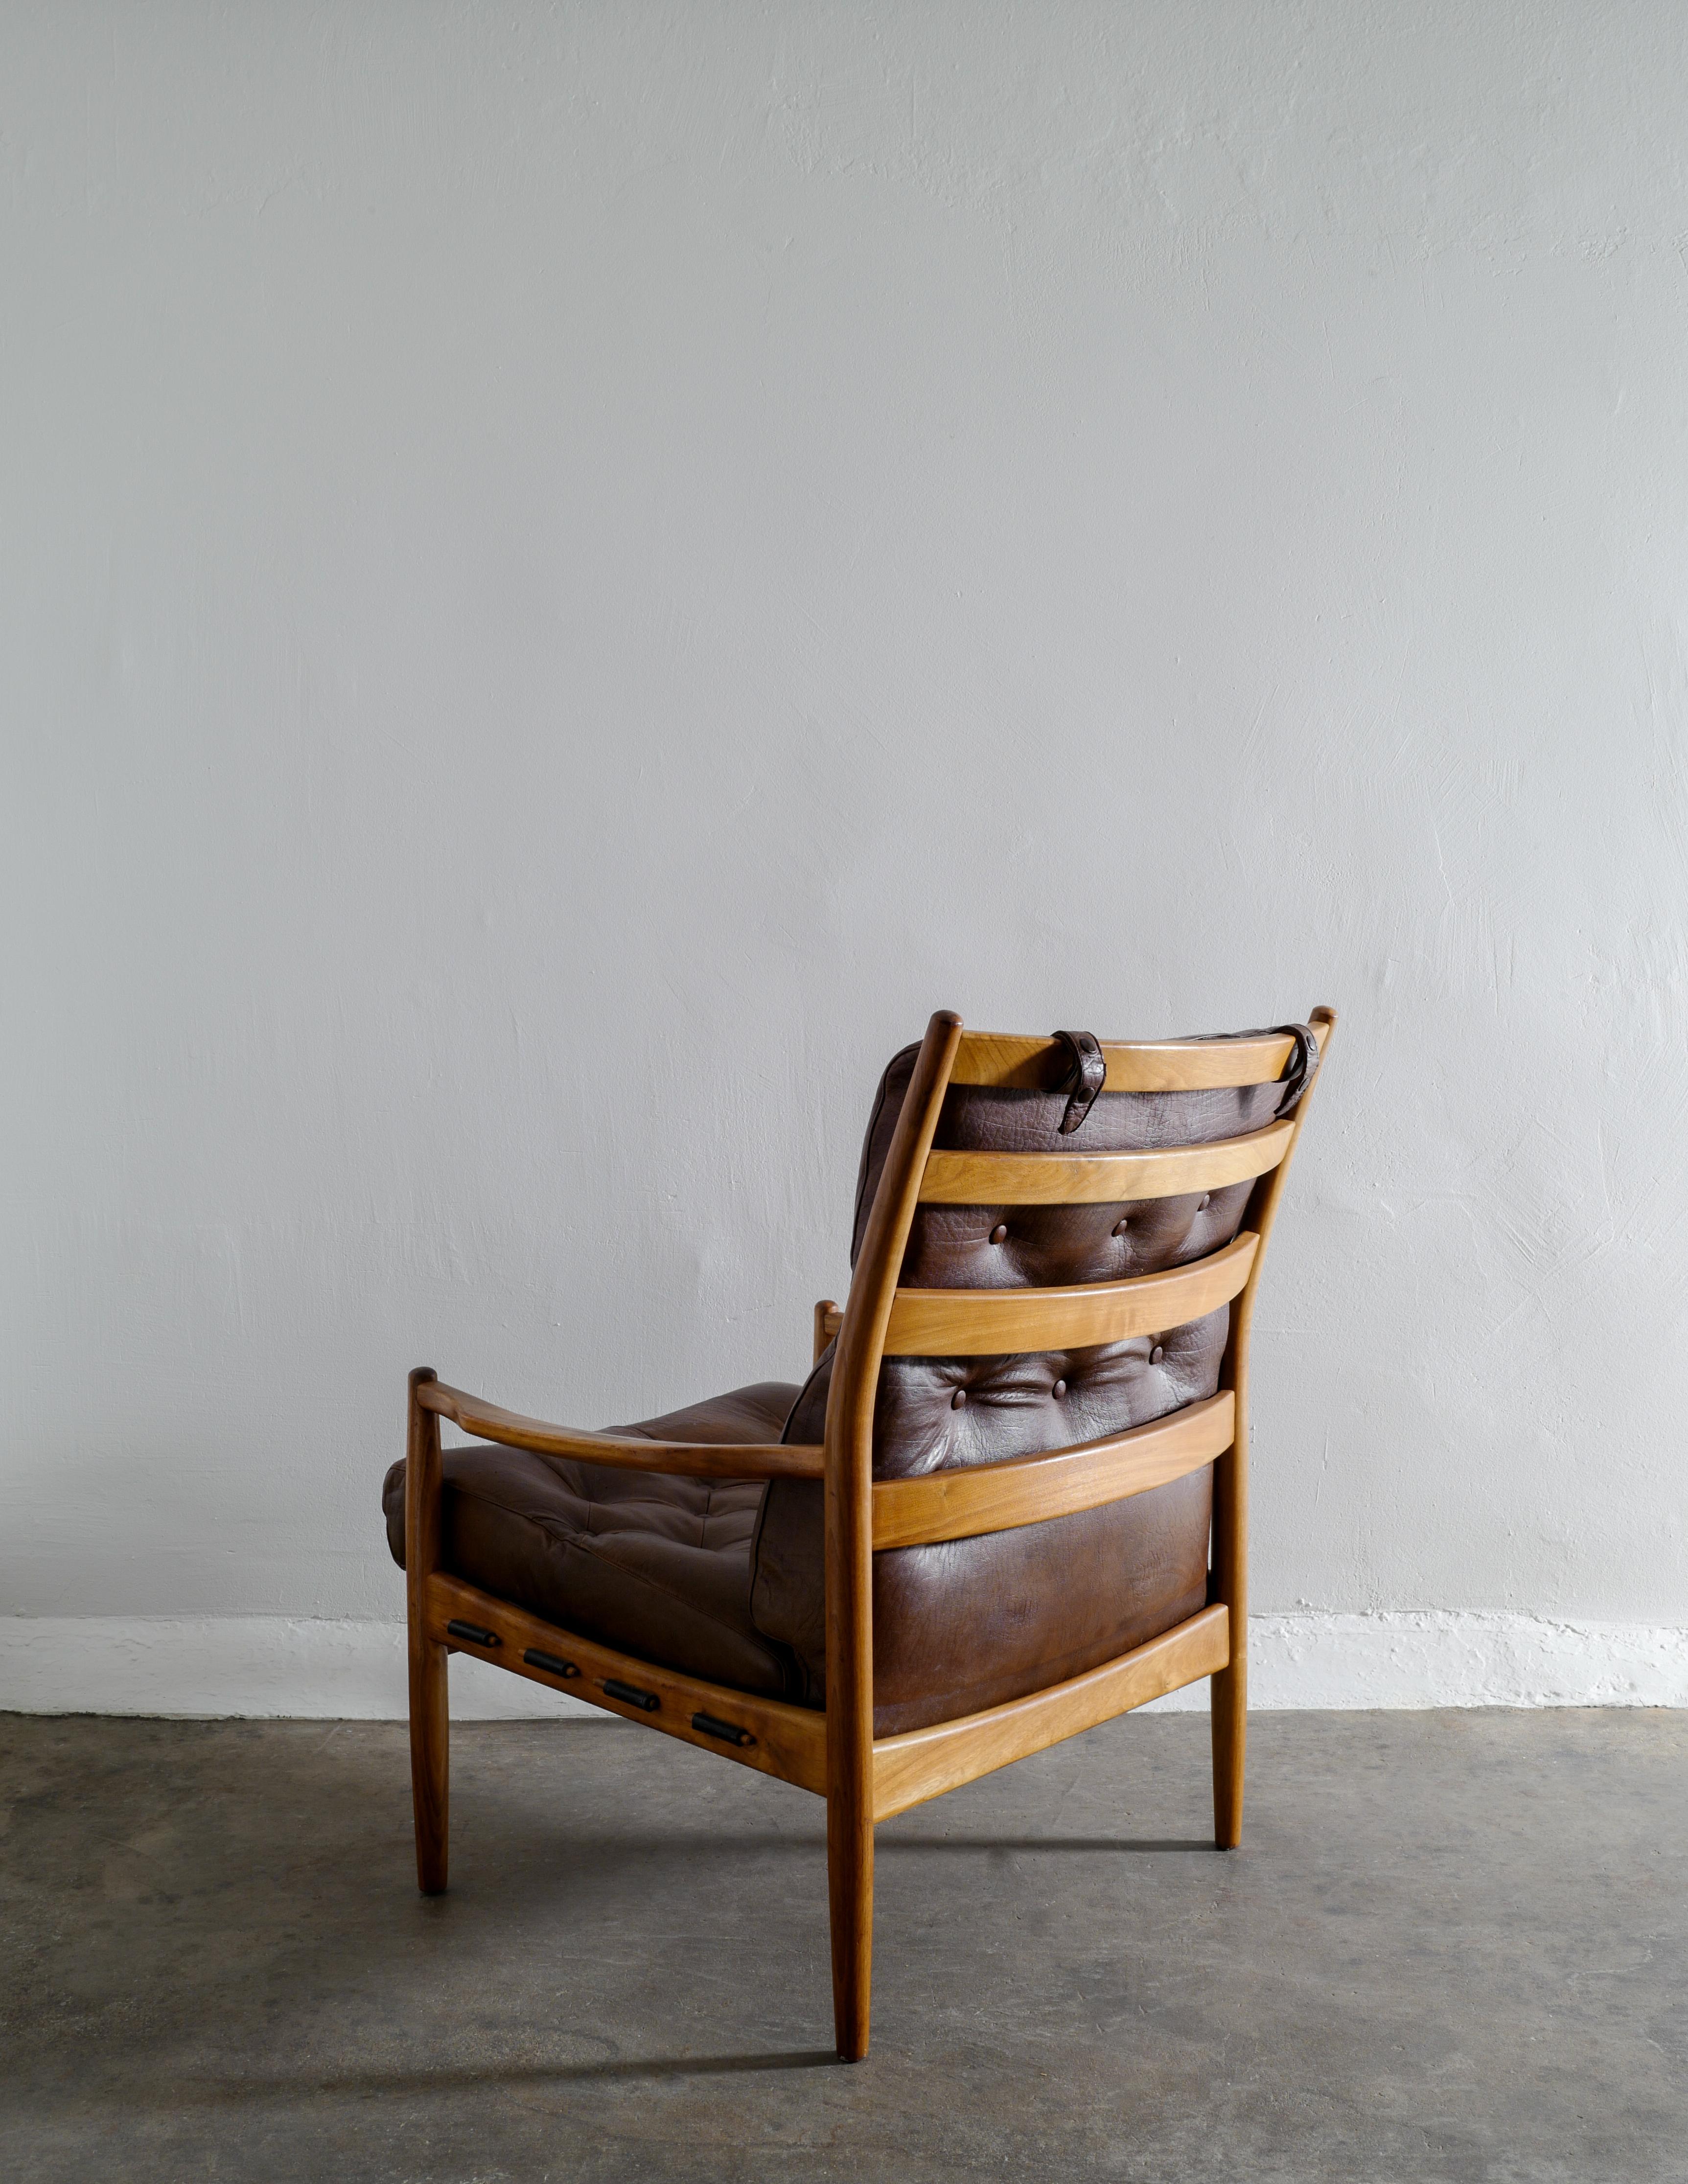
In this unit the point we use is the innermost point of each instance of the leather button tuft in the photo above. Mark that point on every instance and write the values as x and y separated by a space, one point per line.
1121 1225
999 1234
1206 1200
958 1402
1059 1389
1157 1354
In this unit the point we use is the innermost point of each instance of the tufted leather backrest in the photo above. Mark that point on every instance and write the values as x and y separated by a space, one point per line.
969 1623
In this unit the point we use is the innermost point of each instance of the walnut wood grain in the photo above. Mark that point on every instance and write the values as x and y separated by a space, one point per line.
994 1322
968 1499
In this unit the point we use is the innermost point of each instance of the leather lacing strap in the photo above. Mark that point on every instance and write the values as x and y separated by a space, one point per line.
1083 1080
1300 1069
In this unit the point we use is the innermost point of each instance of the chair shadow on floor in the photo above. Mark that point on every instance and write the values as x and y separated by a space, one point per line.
356 2084
493 2076
1134 1846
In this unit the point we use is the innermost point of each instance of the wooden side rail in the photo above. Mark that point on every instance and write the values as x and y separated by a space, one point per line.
1162 1065
691 1459
966 1500
970 1179
995 1323
788 1742
925 1762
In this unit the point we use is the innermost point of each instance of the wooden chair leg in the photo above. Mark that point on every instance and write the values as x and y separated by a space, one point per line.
430 1714
429 1762
849 1887
1229 1695
1230 1699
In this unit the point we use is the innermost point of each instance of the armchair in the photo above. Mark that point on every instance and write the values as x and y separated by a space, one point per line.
981 1525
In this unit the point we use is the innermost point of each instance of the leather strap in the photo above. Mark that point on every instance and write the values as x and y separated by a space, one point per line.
1300 1069
1083 1080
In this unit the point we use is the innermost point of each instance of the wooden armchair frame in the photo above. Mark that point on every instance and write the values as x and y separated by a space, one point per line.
864 1779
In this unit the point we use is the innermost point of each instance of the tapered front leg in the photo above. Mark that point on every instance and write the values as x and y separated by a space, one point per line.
430 1715
850 1886
850 1752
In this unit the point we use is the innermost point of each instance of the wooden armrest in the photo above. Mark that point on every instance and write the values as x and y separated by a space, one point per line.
695 1459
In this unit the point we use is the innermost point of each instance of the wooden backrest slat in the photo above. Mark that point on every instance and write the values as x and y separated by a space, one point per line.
1164 1065
994 1323
966 1500
979 1179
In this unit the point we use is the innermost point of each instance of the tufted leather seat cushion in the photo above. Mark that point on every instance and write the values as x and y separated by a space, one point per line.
657 1566
970 1623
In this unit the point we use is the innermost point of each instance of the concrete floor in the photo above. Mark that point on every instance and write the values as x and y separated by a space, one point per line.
1451 1948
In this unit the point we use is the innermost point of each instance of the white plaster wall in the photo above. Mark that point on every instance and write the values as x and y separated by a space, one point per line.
568 573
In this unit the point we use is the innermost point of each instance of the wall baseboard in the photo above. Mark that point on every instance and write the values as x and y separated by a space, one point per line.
199 1667
1442 1657
257 1665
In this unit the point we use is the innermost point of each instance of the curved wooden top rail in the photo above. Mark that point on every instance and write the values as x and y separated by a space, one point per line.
691 1459
977 1178
961 1503
1164 1065
995 1323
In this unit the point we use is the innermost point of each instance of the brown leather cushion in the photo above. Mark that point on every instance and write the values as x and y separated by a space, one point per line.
657 1566
972 1623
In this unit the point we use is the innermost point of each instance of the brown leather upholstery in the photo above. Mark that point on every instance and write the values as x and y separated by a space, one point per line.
725 1579
656 1566
971 1622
